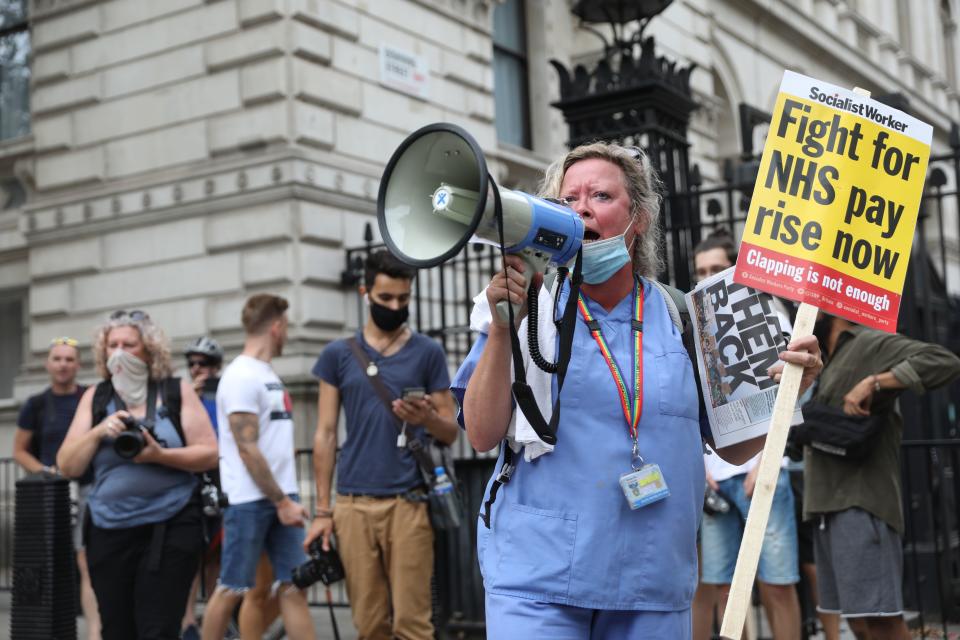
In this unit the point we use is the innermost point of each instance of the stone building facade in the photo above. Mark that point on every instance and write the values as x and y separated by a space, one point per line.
184 154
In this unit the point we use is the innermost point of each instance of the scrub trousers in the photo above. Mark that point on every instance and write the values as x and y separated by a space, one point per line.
512 617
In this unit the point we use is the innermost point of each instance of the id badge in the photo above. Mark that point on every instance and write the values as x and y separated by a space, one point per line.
644 486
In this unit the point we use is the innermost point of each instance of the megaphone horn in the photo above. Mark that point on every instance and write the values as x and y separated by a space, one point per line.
436 195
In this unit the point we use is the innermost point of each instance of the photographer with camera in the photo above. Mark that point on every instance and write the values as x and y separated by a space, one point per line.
258 473
145 435
380 516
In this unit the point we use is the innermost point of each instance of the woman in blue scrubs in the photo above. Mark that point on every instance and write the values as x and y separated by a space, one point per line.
597 539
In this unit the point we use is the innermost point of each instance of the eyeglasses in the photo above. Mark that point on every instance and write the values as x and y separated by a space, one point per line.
198 363
136 315
70 342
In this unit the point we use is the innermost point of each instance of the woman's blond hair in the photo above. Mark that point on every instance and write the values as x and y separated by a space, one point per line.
643 187
155 343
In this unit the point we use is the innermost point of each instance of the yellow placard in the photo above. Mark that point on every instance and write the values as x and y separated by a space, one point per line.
835 205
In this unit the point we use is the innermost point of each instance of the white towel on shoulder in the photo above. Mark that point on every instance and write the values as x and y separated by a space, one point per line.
520 434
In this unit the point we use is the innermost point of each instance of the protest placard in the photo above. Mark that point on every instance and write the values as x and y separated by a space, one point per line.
830 225
739 333
833 212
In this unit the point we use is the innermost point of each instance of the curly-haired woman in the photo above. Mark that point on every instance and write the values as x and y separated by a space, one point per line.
144 533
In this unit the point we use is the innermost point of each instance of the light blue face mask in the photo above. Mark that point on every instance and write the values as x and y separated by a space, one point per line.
603 258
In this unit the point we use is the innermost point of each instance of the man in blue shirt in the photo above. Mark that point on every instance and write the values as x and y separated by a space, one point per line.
380 515
41 427
204 359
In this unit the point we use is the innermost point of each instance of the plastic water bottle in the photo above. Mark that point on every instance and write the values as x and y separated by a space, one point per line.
442 484
446 511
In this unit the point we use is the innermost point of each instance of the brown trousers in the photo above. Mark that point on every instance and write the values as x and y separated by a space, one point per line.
386 545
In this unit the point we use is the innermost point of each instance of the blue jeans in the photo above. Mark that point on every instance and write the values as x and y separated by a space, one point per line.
720 536
252 528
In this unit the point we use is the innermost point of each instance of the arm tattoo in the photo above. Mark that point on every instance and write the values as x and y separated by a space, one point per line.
245 427
246 431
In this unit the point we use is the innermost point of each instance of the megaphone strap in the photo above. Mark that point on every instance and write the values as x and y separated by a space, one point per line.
521 390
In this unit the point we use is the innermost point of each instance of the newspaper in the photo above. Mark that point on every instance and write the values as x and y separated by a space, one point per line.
739 333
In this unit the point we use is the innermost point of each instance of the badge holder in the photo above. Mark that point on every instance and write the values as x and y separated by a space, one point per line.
645 484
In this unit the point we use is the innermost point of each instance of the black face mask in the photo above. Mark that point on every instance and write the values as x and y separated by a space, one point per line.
388 319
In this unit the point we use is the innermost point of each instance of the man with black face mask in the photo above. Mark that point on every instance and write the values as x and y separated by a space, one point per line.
380 517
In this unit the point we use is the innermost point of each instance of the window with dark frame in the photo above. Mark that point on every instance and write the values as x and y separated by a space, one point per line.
510 87
14 69
11 340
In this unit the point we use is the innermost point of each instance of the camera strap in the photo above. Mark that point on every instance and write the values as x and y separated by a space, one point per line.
378 386
150 419
419 452
155 553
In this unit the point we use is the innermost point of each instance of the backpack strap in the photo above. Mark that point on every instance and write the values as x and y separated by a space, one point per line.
173 401
40 407
169 390
676 304
101 398
680 315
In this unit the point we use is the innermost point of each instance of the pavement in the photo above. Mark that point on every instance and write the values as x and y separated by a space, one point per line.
321 618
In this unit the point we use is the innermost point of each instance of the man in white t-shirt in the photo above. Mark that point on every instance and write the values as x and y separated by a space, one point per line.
258 474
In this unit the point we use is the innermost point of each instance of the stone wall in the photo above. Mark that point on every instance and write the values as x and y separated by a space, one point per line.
188 153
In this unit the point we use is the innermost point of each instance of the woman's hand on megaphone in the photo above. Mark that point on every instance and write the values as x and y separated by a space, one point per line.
511 285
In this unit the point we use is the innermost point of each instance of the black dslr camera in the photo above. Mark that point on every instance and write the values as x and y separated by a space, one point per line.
131 441
324 566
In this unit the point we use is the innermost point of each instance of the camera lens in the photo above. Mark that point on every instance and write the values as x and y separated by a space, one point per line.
129 444
306 574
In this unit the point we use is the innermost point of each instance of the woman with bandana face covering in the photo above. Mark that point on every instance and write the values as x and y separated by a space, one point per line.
144 533
596 538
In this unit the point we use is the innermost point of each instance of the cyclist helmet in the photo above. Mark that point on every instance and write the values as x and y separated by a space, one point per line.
206 347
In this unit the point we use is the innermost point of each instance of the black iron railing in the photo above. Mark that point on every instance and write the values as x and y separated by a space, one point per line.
931 488
931 544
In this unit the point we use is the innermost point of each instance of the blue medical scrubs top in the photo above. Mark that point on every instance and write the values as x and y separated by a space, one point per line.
561 530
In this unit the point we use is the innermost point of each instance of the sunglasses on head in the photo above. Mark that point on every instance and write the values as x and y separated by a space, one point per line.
70 342
136 315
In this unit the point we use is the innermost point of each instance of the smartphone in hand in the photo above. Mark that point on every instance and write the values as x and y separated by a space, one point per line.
413 393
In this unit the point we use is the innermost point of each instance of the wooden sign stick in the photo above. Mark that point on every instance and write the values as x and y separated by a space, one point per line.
746 570
739 600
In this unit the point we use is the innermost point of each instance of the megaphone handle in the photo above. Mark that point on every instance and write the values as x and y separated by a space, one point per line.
502 305
533 263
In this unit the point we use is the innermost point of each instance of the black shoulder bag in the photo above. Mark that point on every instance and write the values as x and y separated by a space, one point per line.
830 430
445 508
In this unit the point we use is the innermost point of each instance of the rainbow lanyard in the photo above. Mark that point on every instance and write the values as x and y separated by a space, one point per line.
632 417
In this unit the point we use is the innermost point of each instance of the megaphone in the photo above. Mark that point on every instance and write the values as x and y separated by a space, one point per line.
436 196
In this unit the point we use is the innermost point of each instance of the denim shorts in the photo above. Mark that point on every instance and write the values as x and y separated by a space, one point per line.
252 528
721 535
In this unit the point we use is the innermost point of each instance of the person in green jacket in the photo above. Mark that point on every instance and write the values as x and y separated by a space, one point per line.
857 503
